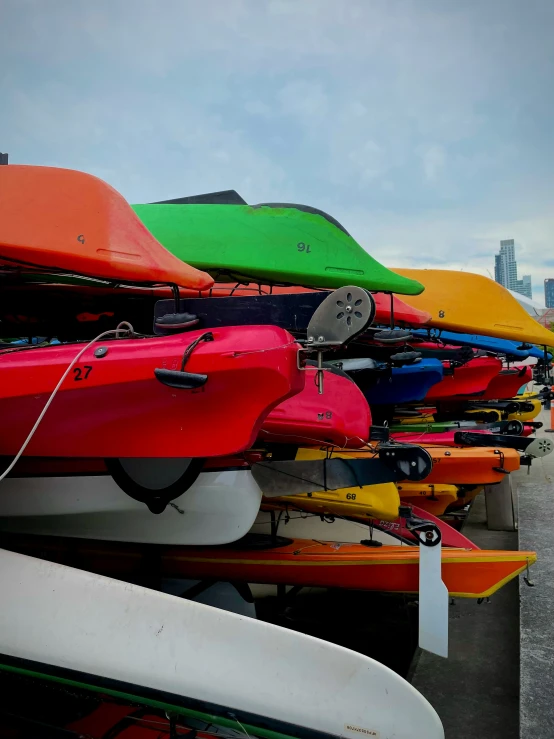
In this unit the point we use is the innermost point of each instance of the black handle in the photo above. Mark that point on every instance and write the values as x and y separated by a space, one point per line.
180 380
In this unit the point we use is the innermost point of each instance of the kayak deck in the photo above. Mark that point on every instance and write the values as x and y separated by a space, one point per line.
446 298
366 502
305 562
113 403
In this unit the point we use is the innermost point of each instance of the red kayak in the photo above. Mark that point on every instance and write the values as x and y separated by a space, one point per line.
472 378
450 536
340 416
60 220
128 397
507 382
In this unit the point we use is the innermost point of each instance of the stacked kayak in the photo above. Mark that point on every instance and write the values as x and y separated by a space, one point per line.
271 242
58 220
133 397
110 640
306 562
205 391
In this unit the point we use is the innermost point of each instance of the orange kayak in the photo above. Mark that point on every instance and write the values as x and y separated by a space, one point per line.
451 465
467 573
470 465
60 220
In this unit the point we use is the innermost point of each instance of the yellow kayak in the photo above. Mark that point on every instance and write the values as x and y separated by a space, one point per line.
434 499
494 415
410 420
465 496
528 415
370 501
473 304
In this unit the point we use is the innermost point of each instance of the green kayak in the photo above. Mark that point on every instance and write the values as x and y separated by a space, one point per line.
272 243
435 426
498 427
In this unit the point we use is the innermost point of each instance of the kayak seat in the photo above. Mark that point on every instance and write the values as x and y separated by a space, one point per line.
392 337
261 541
176 321
405 358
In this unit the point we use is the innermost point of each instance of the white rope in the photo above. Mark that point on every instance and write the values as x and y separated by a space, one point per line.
54 392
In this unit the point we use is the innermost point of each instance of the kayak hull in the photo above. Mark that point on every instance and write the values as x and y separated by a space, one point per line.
441 438
67 221
486 343
279 243
451 537
471 465
219 508
469 379
132 642
340 415
366 502
114 406
304 562
354 524
405 385
507 383
431 498
446 299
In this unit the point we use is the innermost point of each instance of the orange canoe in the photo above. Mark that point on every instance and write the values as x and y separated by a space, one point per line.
60 220
467 573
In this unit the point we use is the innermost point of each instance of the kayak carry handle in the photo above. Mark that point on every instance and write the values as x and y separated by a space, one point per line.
180 380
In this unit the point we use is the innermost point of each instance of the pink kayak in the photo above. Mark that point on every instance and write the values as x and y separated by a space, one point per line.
340 416
442 438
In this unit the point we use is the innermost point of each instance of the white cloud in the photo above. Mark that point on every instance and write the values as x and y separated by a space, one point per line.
423 126
433 158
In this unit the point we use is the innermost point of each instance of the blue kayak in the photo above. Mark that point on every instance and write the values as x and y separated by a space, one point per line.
487 343
405 384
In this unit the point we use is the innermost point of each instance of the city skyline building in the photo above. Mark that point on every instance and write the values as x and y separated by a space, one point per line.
505 270
524 287
549 292
505 265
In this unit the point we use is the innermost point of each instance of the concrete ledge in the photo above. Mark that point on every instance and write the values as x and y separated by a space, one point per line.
536 532
501 505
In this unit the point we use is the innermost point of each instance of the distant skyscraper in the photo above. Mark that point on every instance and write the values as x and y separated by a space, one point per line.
524 287
549 293
505 270
505 265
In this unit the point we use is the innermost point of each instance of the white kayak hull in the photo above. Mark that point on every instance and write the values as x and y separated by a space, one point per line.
58 618
219 508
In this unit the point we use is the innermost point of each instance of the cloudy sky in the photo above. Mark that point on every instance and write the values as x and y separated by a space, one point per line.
426 126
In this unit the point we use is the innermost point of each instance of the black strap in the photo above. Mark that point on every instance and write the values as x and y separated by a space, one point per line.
208 336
